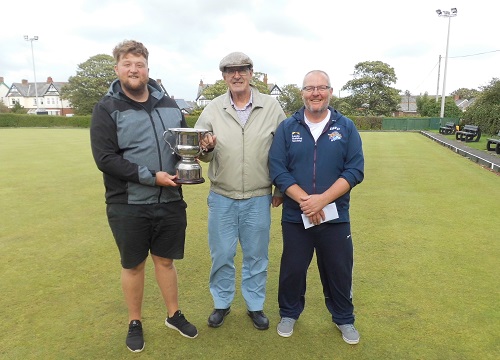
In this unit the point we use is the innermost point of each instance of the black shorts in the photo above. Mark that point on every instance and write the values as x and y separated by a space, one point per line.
140 229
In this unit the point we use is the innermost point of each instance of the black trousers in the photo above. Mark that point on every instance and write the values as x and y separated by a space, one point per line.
334 253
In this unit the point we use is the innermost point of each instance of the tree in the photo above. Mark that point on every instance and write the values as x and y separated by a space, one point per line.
371 93
90 83
18 109
464 93
343 105
258 82
290 98
485 111
429 107
212 91
3 108
220 86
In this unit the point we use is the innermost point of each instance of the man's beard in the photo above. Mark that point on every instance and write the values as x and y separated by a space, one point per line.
310 108
137 89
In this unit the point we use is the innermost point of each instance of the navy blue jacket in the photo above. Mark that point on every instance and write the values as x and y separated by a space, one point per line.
128 146
295 158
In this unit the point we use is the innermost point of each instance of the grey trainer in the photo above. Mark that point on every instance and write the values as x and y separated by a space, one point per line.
285 326
349 333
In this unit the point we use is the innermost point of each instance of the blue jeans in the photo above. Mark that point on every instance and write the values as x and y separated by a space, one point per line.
248 221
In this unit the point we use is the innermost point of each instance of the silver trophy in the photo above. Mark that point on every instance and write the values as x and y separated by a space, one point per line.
187 146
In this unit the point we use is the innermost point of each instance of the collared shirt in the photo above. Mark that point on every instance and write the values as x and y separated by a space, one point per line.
243 113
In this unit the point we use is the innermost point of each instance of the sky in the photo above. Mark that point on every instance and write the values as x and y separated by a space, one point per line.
284 38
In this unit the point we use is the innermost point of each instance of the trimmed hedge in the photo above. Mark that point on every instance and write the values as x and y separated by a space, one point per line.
24 120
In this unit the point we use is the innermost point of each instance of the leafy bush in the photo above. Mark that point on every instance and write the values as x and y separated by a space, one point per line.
485 111
367 122
191 120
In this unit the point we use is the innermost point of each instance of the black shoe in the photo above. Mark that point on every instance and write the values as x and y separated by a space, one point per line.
260 320
135 339
216 318
179 323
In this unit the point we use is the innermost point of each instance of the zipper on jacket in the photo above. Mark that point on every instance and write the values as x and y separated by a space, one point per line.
158 148
314 165
243 167
315 153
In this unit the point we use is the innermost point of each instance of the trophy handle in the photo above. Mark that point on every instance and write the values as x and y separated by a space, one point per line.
165 138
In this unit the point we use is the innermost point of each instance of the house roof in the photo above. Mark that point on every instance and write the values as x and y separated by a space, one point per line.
201 87
274 89
4 89
463 104
408 104
183 105
27 89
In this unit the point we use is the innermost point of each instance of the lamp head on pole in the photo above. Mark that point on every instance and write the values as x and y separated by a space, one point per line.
446 13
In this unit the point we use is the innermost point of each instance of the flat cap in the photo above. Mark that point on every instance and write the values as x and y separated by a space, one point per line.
235 59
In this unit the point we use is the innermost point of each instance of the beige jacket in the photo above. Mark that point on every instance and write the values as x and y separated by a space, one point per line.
239 163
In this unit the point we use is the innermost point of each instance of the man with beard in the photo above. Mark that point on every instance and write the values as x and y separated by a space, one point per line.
316 158
145 207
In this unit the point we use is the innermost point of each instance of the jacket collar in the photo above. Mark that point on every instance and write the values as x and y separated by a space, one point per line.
334 115
257 98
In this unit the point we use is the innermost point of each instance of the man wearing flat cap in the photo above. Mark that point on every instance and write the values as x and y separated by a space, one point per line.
243 122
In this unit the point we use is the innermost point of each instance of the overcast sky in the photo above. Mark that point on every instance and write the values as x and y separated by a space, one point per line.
186 39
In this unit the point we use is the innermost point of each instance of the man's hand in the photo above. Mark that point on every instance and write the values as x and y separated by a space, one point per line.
312 206
165 179
208 142
277 201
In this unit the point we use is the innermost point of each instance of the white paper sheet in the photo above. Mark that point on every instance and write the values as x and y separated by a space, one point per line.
330 211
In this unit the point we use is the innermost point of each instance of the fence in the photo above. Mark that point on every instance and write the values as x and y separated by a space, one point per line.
405 124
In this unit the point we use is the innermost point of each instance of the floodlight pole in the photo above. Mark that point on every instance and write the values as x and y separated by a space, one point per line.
34 38
449 15
439 74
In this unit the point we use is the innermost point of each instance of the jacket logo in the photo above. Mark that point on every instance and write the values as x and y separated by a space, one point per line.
296 136
334 136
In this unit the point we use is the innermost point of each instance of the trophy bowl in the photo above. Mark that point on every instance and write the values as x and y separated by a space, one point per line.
186 144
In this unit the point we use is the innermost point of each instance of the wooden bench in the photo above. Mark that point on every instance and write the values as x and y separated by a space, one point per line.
448 128
469 133
494 144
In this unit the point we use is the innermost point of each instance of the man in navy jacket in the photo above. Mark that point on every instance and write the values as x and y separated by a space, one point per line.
316 158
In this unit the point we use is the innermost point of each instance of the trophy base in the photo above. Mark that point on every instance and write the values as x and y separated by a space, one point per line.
189 181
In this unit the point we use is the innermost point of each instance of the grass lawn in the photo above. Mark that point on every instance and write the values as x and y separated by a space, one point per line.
425 228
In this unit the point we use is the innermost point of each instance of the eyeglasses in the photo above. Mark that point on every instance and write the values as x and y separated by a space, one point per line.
242 71
321 88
